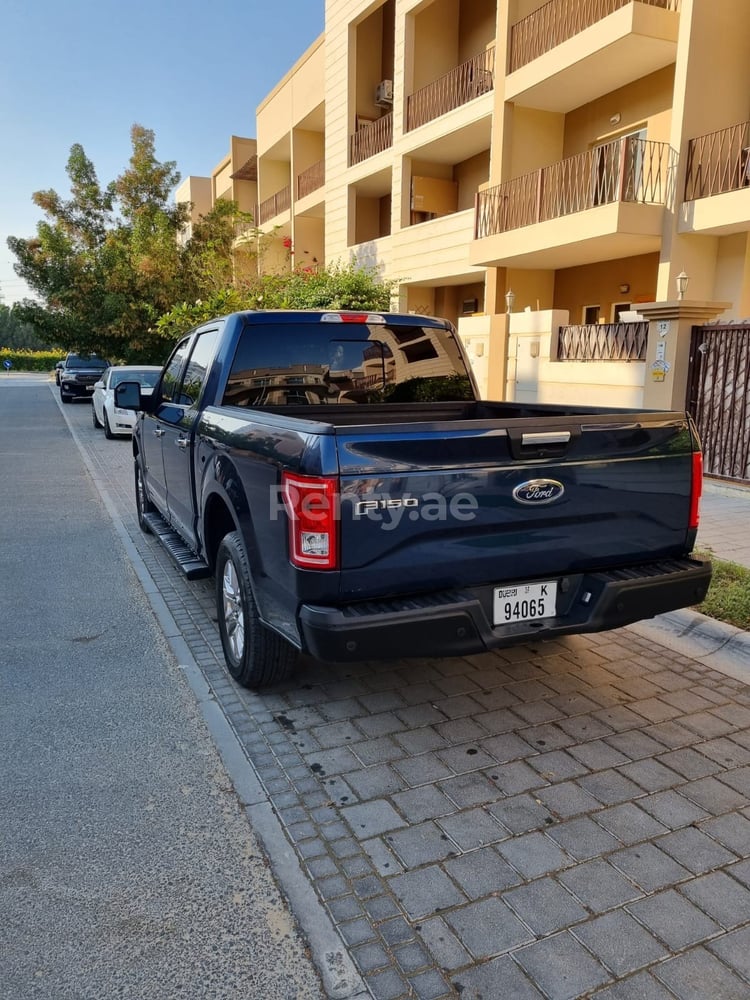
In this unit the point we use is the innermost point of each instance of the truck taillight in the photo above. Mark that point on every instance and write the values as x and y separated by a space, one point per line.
312 506
695 490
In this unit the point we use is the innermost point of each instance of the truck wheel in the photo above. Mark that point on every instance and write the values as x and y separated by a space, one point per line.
65 397
142 503
254 654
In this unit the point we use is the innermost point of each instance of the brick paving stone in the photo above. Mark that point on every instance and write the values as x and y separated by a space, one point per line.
562 967
734 950
707 724
377 751
488 928
382 724
534 854
721 897
396 931
482 872
731 830
421 844
671 734
500 978
599 886
472 828
695 850
619 718
634 744
582 838
462 759
383 859
370 957
457 706
357 931
429 985
507 747
443 945
387 985
689 763
651 775
547 737
371 818
521 813
418 741
497 722
467 790
610 787
714 796
420 715
515 777
699 975
738 715
641 986
598 755
545 906
629 823
381 908
374 782
422 770
412 957
620 942
648 867
557 765
726 752
674 919
566 799
739 779
460 731
671 809
537 712
422 893
585 727
426 802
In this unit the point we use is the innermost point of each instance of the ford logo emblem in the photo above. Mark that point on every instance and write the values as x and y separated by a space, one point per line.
538 491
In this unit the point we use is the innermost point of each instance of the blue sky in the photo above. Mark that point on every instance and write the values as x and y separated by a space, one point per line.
85 71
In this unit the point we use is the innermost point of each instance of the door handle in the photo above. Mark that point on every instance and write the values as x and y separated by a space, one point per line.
159 433
182 443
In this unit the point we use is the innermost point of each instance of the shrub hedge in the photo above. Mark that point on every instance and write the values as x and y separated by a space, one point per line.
28 361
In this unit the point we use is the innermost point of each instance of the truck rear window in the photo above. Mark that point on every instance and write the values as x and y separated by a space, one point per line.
293 364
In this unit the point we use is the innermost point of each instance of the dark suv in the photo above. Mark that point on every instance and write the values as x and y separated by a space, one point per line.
78 375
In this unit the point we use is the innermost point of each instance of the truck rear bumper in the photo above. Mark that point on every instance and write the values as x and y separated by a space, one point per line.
457 622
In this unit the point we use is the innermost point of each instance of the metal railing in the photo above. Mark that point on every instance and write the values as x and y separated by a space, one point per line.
627 169
279 202
718 162
558 20
371 139
603 342
461 85
311 179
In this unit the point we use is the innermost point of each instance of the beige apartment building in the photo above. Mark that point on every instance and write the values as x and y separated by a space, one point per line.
567 181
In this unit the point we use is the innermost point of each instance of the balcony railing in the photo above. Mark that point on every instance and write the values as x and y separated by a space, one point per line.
628 169
279 202
371 139
467 81
558 20
718 162
603 342
311 179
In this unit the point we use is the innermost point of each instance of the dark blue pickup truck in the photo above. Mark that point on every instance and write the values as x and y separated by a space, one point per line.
355 499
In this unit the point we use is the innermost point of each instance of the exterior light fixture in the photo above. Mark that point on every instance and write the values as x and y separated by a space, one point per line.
615 119
682 284
510 298
624 288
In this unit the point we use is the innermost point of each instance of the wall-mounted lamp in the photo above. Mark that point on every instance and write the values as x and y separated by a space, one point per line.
682 283
624 288
615 119
510 298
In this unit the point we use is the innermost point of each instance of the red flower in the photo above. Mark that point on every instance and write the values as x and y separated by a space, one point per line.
287 241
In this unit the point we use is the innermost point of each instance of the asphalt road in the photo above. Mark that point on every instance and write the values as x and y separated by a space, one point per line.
127 865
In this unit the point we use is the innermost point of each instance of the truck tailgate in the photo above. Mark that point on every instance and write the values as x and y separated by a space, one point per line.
430 507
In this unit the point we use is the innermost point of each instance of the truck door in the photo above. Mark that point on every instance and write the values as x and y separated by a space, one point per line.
177 440
155 424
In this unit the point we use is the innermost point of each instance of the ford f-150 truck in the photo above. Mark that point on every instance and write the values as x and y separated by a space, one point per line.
354 498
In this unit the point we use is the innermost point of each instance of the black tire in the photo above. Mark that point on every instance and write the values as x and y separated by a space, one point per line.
97 422
255 655
107 429
65 397
142 503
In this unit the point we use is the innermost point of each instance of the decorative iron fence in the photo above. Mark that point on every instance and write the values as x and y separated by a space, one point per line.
718 162
279 202
461 85
603 342
371 139
311 179
628 169
558 20
719 398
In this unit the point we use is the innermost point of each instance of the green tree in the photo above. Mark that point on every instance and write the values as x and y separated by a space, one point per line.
15 333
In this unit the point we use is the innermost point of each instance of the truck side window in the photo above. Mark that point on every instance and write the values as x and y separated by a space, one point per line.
171 377
197 369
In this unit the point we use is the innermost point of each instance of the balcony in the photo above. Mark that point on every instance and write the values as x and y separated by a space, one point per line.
371 139
717 182
617 191
275 205
603 342
467 81
569 52
311 179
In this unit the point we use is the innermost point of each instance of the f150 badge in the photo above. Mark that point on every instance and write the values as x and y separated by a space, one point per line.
538 491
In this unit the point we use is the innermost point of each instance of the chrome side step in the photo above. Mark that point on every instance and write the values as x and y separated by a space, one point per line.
193 567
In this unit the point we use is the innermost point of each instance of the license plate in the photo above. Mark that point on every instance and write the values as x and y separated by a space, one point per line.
525 602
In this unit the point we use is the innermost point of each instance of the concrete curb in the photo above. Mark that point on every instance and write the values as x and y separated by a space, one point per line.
715 644
341 980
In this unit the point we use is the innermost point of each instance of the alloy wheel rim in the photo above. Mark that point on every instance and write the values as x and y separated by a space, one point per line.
234 619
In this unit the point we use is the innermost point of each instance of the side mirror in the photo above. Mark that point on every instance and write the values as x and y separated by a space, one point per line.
128 396
98 385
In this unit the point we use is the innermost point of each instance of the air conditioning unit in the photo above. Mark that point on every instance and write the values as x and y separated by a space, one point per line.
384 94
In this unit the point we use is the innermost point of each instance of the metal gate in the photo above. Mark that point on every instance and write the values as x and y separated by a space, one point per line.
719 398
